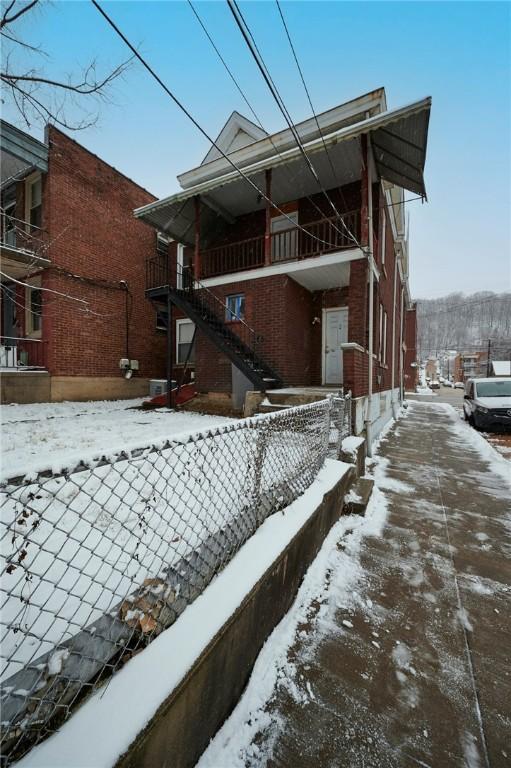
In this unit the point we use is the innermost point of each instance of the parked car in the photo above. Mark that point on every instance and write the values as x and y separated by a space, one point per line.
434 384
487 403
459 385
449 384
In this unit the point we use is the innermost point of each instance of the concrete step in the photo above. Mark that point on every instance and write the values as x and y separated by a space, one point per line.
357 498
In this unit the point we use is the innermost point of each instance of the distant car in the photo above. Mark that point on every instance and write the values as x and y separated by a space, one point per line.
434 385
459 385
448 384
487 403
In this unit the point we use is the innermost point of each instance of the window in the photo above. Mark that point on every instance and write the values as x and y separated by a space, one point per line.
162 244
34 199
384 352
235 307
33 309
185 346
9 224
284 239
383 236
161 319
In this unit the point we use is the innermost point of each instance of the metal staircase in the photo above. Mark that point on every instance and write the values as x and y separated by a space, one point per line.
237 340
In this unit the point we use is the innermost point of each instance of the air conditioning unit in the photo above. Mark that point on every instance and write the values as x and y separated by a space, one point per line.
158 387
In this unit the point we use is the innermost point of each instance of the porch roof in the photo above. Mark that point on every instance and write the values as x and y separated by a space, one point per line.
18 263
399 139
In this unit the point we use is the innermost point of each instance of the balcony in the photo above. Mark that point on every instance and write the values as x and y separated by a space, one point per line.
320 237
17 354
23 247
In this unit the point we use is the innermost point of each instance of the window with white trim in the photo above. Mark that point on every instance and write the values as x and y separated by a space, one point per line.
34 201
185 345
34 309
235 307
383 235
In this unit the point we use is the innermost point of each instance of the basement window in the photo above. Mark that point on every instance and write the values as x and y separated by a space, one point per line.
235 307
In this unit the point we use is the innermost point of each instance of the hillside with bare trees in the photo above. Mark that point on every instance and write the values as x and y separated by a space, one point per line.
464 323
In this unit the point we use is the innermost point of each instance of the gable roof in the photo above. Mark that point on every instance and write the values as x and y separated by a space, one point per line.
237 132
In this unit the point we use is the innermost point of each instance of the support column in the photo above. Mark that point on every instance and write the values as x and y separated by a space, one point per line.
267 228
196 260
169 351
367 236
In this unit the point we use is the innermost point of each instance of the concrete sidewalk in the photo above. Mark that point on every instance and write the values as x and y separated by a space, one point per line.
417 670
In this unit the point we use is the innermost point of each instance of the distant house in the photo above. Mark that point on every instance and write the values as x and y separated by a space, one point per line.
469 365
75 322
500 368
280 295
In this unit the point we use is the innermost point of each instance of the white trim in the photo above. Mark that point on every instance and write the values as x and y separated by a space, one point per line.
383 234
286 267
324 313
33 283
180 264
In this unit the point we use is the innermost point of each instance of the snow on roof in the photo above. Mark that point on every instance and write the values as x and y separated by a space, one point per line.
501 367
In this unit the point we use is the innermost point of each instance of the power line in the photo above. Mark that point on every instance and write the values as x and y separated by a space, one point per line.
291 176
311 105
199 127
254 50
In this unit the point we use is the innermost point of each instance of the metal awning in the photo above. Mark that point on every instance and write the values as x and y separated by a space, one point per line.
399 140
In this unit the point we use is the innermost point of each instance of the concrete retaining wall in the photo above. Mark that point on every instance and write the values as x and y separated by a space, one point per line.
184 724
40 387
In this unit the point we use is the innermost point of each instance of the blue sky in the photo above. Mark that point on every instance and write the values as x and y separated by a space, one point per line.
457 52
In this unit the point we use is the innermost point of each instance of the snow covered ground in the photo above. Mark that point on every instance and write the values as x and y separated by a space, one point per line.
43 435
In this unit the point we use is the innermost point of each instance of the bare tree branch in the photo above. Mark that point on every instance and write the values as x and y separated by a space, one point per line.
5 18
35 95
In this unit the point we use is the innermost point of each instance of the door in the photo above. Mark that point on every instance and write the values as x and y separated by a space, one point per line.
284 239
335 324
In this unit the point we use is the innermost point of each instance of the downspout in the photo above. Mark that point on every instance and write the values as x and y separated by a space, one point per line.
393 375
370 240
401 371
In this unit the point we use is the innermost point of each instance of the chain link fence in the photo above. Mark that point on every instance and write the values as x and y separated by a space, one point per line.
98 560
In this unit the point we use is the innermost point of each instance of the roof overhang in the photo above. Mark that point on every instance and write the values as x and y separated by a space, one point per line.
29 152
400 139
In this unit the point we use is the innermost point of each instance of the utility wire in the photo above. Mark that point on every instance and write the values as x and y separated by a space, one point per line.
254 50
334 172
200 128
291 176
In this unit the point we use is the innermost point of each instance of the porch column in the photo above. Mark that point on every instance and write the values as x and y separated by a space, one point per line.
196 259
364 228
267 229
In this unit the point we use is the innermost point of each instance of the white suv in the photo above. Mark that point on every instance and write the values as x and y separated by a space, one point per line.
487 403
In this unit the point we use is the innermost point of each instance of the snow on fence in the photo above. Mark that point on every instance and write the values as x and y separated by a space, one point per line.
100 559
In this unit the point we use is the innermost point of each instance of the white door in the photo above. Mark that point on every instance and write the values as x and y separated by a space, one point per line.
335 333
284 239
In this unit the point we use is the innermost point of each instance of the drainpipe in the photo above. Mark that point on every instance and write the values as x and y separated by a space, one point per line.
393 377
370 235
401 371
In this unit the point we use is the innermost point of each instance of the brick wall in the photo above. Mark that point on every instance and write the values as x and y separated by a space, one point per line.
88 214
280 311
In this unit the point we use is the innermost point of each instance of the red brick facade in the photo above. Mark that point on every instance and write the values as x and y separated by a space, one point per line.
93 242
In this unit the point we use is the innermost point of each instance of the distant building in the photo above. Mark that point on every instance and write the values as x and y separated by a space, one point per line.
469 365
500 368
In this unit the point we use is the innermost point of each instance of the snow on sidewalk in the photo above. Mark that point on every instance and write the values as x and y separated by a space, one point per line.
53 435
396 652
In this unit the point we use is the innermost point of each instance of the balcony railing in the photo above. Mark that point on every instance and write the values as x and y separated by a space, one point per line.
22 354
320 237
21 235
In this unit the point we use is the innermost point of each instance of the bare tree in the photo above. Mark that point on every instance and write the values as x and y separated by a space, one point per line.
38 97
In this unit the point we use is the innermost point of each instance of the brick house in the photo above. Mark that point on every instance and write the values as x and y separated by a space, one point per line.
411 368
73 261
279 291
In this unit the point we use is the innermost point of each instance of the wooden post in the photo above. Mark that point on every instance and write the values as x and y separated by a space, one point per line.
267 228
196 260
364 193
